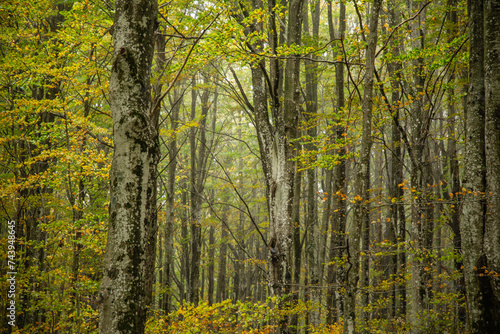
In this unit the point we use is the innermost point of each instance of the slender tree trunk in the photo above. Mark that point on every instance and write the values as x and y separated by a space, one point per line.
221 277
198 175
310 114
297 247
420 164
396 230
453 168
361 187
195 201
336 272
185 276
130 251
211 264
389 262
170 203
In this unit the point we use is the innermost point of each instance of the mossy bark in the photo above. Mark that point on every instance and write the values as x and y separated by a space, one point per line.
126 287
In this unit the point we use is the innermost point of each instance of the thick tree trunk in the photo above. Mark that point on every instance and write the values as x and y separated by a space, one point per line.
275 140
280 180
492 145
276 149
130 251
472 223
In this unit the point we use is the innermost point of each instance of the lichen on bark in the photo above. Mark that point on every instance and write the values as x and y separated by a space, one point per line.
126 286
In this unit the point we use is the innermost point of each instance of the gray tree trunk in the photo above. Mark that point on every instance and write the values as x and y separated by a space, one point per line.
297 246
170 212
421 231
396 231
492 146
221 294
336 273
128 273
311 219
361 187
473 209
199 158
394 177
453 168
275 139
185 276
211 264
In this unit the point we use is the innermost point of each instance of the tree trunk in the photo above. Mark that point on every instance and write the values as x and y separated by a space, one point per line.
275 140
396 231
312 246
221 277
361 187
185 276
420 166
297 246
211 264
473 209
453 168
199 158
492 145
130 251
170 203
336 272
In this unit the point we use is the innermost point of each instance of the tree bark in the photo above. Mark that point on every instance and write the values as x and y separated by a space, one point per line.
297 247
130 251
336 276
199 159
311 219
221 277
361 187
472 223
275 142
185 272
170 203
492 146
211 264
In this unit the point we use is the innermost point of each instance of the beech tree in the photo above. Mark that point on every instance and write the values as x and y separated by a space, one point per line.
129 260
480 223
